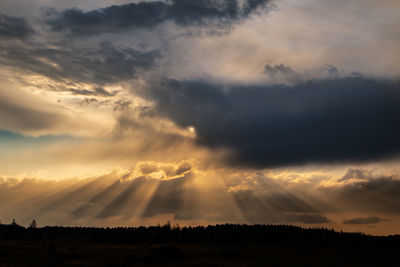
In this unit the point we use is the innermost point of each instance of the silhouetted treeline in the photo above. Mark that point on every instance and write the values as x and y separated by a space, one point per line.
199 234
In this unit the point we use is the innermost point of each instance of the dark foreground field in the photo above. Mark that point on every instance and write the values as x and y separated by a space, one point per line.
222 245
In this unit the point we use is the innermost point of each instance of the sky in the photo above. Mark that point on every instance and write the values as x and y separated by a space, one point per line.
127 113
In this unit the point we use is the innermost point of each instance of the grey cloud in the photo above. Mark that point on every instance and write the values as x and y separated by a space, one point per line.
366 220
280 73
149 14
122 104
106 64
14 27
96 92
277 69
183 168
147 168
355 174
332 70
351 119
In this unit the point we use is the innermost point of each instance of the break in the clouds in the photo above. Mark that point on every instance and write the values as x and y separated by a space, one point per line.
149 14
332 120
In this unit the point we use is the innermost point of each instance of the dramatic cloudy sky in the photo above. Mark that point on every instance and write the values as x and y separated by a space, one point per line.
118 112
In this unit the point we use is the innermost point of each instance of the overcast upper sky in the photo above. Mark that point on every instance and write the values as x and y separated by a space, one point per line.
208 111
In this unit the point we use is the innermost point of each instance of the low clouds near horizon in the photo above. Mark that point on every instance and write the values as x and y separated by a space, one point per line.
159 191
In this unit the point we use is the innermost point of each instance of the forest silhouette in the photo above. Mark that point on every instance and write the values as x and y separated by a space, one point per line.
218 245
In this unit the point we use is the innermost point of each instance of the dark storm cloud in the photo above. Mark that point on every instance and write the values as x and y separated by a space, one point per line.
149 14
14 27
105 64
367 220
333 120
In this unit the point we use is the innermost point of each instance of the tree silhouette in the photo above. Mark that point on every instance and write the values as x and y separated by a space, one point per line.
33 224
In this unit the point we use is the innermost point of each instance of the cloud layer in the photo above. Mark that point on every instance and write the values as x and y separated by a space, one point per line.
66 64
331 120
187 195
14 27
149 14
